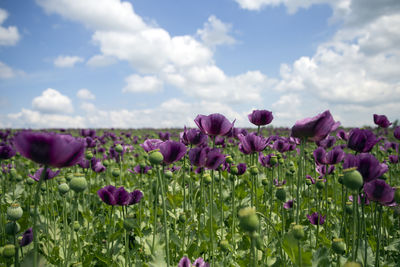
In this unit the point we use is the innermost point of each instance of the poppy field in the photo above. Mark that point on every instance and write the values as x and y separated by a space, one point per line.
315 194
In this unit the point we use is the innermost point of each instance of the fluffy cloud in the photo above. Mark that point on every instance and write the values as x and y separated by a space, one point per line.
137 84
101 61
67 61
9 35
51 101
85 94
215 32
5 71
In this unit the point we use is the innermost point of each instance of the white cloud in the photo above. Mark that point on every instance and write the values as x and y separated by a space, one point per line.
136 84
52 101
67 61
215 32
85 94
9 35
5 71
101 61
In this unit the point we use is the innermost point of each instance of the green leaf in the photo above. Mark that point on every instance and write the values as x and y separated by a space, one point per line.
290 245
321 258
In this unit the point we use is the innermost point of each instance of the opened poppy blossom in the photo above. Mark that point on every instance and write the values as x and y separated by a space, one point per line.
49 174
119 196
50 149
251 143
151 144
6 151
193 137
260 117
316 218
396 132
382 121
335 156
214 124
320 155
172 151
370 167
140 169
361 140
378 190
316 128
27 238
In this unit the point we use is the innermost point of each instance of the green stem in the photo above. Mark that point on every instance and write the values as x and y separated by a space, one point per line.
299 178
299 249
354 226
378 235
233 211
211 218
166 236
35 215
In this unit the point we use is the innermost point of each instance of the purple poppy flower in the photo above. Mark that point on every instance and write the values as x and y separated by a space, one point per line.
193 137
266 160
281 145
164 136
341 134
49 174
382 121
316 128
320 155
316 218
135 197
394 159
241 168
214 159
325 170
359 197
96 165
139 169
361 140
350 161
335 156
84 163
251 143
6 151
279 184
88 133
107 194
311 179
27 238
236 131
379 190
396 132
288 204
90 142
184 262
151 144
172 151
327 142
220 141
121 196
50 149
260 117
197 156
369 167
213 124
199 262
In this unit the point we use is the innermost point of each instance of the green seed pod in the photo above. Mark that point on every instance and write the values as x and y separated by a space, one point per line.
12 228
281 194
229 159
63 189
168 174
298 232
106 163
273 160
78 184
19 178
281 161
142 164
88 155
349 208
320 184
234 170
253 170
76 226
30 181
14 212
248 219
119 148
352 179
207 178
69 177
115 172
264 181
224 245
61 179
156 158
308 182
8 251
182 218
338 246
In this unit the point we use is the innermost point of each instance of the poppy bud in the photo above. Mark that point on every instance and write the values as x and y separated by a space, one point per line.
234 170
88 155
264 181
229 159
142 164
12 228
13 173
281 194
253 170
182 218
19 178
207 178
119 148
63 188
273 160
30 181
8 251
298 232
76 226
320 184
352 178
248 219
338 246
69 177
14 212
281 161
156 158
224 244
308 182
115 172
78 184
168 174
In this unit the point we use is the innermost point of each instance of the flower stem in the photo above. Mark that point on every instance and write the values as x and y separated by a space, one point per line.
354 226
35 227
378 234
299 177
164 216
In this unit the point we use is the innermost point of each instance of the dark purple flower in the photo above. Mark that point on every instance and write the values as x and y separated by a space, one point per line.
50 149
27 238
382 121
236 131
151 144
96 165
184 262
135 197
311 179
220 141
288 204
394 159
266 160
316 218
193 137
327 142
172 151
197 156
350 161
88 133
361 140
369 167
320 155
316 128
90 142
121 196
49 174
341 134
335 156
260 117
379 190
251 143
84 163
6 151
278 183
214 159
199 262
241 168
164 136
213 124
281 145
139 169
396 132
325 170
107 194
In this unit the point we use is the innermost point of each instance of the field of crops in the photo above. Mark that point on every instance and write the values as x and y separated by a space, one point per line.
315 194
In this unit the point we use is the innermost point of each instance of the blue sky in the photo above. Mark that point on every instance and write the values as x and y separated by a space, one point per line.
157 63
